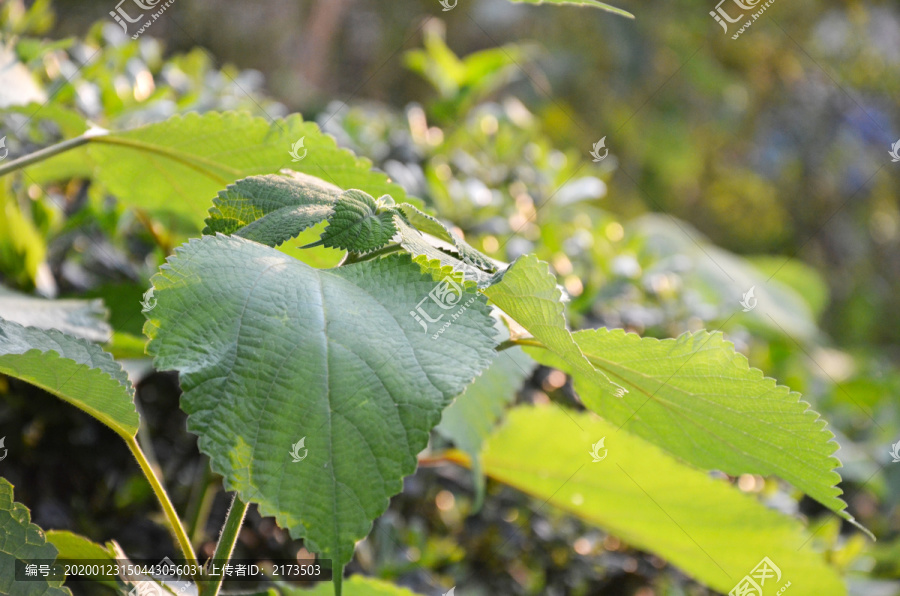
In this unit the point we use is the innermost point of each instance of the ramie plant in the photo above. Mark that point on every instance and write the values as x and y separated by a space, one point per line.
359 363
361 360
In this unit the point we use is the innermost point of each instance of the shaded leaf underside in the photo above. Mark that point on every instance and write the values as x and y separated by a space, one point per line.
72 369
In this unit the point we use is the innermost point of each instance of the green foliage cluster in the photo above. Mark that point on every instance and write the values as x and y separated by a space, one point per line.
299 312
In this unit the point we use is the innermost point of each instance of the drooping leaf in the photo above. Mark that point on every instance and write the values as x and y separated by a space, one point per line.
81 318
355 585
699 399
595 3
272 351
73 547
73 369
22 540
428 255
470 419
179 164
430 225
649 499
358 224
528 293
272 209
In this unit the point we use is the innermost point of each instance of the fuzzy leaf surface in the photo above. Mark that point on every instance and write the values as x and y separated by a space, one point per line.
272 352
358 225
22 540
699 399
272 209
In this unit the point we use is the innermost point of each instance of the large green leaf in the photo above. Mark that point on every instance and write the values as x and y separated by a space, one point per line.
700 399
22 540
72 369
272 209
638 492
528 293
181 163
594 3
272 352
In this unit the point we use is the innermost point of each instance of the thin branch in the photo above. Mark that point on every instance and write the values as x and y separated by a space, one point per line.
175 526
353 257
525 341
48 152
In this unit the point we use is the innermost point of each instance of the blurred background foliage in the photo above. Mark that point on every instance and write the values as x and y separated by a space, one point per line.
758 162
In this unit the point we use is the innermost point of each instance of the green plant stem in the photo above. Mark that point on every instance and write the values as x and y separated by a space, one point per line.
175 525
525 341
353 257
48 152
227 540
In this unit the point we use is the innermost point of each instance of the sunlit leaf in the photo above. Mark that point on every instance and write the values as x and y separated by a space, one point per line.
528 293
272 209
647 498
698 398
180 164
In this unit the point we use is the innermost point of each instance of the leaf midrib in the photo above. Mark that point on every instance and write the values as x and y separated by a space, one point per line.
194 162
685 415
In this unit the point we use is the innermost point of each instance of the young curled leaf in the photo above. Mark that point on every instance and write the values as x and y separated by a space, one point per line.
359 224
